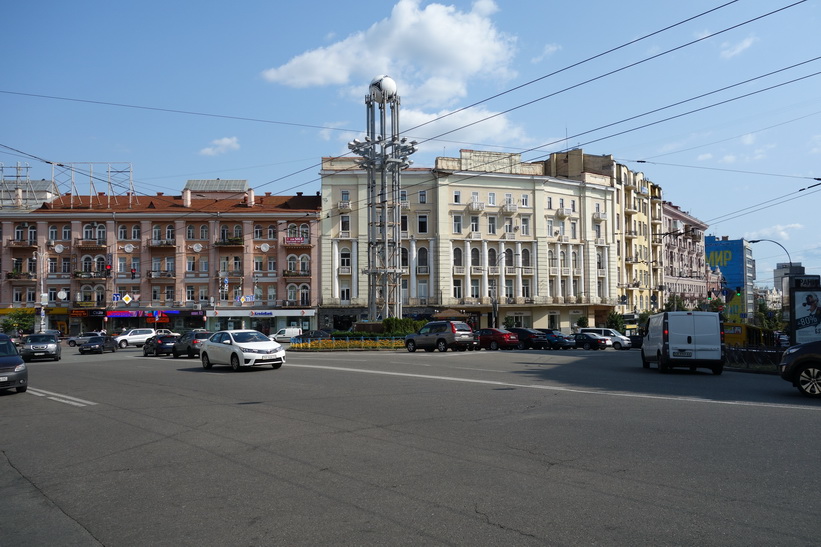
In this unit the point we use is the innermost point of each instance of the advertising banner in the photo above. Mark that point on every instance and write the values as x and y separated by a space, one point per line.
807 315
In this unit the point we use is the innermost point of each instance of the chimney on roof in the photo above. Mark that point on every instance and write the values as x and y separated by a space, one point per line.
250 197
186 197
18 197
299 194
160 193
267 193
318 193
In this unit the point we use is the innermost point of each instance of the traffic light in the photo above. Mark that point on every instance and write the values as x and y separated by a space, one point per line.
108 270
738 291
709 295
133 273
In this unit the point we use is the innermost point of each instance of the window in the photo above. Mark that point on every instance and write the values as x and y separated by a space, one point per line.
272 231
550 232
345 257
345 292
491 257
272 264
575 260
457 256
508 225
422 224
422 257
597 207
549 202
190 264
491 225
561 203
474 224
525 200
52 265
121 264
346 195
573 205
66 232
403 195
122 232
403 223
345 223
561 228
509 257
202 293
257 231
508 288
525 226
272 292
509 199
525 258
573 230
491 198
203 264
597 230
423 196
65 265
403 257
474 197
474 288
257 263
189 231
457 224
457 288
457 196
204 231
189 292
475 257
237 230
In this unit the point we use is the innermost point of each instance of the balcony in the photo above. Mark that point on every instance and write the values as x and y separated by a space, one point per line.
474 235
510 270
21 276
553 271
599 216
565 271
296 273
493 270
527 270
404 205
564 212
162 242
600 241
89 244
563 239
297 241
230 242
632 234
631 209
344 205
601 272
476 270
509 208
458 270
423 270
344 270
89 275
161 274
21 243
476 206
509 235
344 235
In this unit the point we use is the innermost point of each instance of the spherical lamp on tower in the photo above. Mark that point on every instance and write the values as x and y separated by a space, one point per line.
382 89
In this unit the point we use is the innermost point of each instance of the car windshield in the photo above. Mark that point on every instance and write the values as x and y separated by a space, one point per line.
250 336
462 327
7 348
96 340
40 338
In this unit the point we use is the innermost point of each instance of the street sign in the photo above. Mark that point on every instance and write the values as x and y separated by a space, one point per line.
127 299
115 297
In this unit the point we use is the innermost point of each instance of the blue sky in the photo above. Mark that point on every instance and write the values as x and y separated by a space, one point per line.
262 90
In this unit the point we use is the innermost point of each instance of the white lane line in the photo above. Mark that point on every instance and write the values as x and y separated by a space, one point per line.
59 397
558 388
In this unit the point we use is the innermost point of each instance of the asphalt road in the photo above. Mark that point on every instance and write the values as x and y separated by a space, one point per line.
391 448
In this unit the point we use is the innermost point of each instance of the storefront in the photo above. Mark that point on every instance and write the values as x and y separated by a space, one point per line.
265 321
174 320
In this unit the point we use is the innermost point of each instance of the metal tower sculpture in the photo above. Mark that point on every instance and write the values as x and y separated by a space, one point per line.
383 155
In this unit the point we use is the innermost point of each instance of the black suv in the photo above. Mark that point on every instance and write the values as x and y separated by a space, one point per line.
801 366
189 343
530 338
441 335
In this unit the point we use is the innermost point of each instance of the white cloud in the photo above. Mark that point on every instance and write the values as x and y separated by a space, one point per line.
432 52
728 50
704 157
778 232
547 51
748 139
221 146
728 158
815 144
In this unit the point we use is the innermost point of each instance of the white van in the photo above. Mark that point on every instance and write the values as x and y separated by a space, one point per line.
615 339
692 339
285 335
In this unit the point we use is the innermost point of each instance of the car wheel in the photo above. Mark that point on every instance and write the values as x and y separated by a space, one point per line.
123 344
276 365
494 345
22 389
410 345
235 363
174 353
462 348
442 346
616 345
190 353
145 351
718 369
586 345
808 380
644 362
157 352
663 367
521 345
206 363
56 358
72 343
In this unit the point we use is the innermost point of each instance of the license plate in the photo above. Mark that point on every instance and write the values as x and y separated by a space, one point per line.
39 353
682 354
4 378
267 357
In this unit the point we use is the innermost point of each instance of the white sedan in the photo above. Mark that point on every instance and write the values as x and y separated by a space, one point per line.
241 348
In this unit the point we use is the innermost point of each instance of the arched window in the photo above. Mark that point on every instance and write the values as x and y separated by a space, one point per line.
237 230
304 295
491 258
204 231
574 258
89 232
345 257
189 231
52 232
257 231
304 231
156 232
66 232
305 264
457 256
272 231
509 257
88 264
563 259
292 230
122 232
99 263
100 236
526 258
224 233
292 262
136 232
422 257
404 257
99 294
551 260
170 232
475 257
598 261
291 292
85 293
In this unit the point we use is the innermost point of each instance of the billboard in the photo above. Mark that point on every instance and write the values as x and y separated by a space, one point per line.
807 316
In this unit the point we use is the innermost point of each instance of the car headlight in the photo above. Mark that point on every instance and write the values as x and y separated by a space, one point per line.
792 350
20 368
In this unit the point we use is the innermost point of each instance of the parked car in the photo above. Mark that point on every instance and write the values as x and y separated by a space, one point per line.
614 338
134 337
55 332
636 340
314 335
160 345
441 335
82 338
801 366
285 334
557 340
99 344
41 346
13 371
494 339
241 348
189 343
588 340
530 338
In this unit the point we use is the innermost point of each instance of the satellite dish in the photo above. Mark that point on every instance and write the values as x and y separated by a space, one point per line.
264 247
128 248
58 248
197 247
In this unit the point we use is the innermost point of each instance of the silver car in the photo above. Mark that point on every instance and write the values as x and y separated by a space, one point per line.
41 346
441 335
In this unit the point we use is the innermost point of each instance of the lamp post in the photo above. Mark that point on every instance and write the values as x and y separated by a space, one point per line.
777 243
42 268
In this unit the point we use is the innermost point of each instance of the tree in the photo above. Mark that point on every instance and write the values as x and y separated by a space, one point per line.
18 319
582 321
615 321
675 303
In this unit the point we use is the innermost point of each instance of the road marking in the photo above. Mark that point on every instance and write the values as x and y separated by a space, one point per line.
558 388
59 397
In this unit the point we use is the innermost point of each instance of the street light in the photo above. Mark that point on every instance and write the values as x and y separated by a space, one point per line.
777 243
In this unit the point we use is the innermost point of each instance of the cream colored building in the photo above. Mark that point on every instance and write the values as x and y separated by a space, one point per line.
685 267
484 234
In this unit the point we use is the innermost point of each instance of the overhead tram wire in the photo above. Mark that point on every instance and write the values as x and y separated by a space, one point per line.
723 170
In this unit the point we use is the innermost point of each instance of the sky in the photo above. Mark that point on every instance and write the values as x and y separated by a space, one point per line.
717 101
